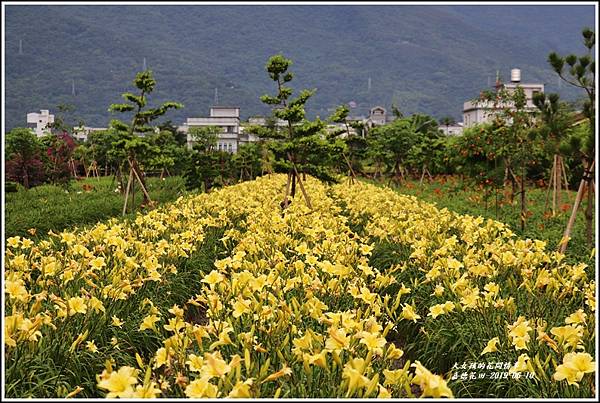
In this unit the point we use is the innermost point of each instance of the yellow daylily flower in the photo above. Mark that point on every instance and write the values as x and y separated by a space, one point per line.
491 346
574 367
119 383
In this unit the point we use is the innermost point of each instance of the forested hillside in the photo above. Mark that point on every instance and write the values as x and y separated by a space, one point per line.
423 58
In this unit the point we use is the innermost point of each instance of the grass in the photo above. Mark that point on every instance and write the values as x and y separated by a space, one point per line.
451 193
48 207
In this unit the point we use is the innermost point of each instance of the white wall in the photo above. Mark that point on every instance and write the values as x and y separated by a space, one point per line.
41 121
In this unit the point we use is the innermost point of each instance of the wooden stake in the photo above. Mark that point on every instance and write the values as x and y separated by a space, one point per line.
550 183
127 190
300 182
554 188
302 188
564 172
72 165
582 185
351 171
140 182
142 185
558 180
96 171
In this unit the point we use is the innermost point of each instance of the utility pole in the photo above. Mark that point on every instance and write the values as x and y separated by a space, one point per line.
144 68
369 85
73 87
20 46
216 97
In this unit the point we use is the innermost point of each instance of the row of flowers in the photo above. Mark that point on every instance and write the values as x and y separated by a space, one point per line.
299 306
463 265
293 311
75 284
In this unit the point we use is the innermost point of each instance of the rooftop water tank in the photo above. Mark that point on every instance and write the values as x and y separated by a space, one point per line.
515 75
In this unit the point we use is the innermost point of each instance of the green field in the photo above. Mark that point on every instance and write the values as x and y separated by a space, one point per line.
47 207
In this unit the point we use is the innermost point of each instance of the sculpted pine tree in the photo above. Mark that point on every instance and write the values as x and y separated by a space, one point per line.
302 147
130 144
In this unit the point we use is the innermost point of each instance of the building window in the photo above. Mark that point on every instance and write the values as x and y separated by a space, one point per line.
230 147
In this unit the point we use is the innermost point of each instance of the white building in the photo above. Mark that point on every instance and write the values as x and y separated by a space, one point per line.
39 122
377 116
454 129
224 117
81 133
477 112
262 121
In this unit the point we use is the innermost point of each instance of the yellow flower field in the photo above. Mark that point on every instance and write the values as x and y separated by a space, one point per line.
297 303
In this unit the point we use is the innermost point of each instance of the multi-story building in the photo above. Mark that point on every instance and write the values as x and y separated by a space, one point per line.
377 116
476 112
81 133
454 129
232 133
227 119
39 122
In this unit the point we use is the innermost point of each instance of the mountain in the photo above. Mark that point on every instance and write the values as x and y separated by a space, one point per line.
427 58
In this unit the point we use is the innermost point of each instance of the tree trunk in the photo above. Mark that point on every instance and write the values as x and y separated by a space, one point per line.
589 211
287 191
133 206
25 177
422 176
508 178
293 193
